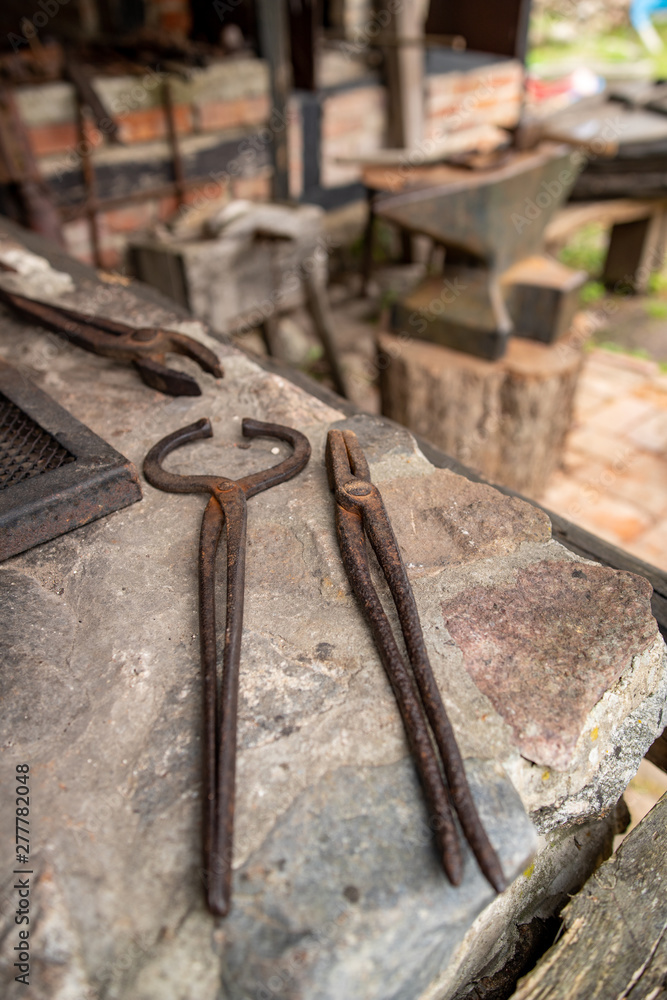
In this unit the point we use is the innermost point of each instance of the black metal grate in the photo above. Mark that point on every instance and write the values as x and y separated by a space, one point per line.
26 449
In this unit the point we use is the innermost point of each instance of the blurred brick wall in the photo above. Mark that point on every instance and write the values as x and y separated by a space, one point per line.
226 102
488 95
221 114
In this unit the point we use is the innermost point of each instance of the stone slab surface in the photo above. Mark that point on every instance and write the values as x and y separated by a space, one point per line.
336 890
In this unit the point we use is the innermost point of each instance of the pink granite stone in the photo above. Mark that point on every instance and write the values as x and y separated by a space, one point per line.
546 649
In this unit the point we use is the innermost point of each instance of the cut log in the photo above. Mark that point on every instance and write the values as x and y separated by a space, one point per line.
615 943
507 419
657 753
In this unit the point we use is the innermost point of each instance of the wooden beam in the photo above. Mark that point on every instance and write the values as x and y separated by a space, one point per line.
404 68
274 38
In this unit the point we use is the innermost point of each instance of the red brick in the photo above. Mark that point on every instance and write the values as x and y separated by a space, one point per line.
166 208
46 139
151 123
210 116
130 218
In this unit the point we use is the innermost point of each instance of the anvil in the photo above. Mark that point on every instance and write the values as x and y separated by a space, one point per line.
497 280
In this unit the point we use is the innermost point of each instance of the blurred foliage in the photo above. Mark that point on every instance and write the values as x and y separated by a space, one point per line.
560 41
613 348
592 292
657 283
586 249
656 308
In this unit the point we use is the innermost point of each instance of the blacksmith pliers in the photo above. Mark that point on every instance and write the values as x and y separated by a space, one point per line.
145 347
360 512
227 505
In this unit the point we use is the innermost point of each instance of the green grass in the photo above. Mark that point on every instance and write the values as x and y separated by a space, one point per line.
633 352
592 292
657 309
657 283
621 45
587 248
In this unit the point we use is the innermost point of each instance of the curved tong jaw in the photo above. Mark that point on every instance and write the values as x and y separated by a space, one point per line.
252 484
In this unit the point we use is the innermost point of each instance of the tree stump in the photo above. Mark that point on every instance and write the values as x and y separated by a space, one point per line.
506 419
614 943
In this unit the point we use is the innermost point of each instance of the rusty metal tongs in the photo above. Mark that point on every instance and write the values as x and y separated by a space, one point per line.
227 506
360 512
144 346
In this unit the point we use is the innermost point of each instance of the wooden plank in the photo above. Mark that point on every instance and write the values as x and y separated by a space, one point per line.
615 942
605 128
608 213
398 162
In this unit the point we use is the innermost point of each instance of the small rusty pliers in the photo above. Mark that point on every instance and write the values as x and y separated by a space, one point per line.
360 512
145 347
227 506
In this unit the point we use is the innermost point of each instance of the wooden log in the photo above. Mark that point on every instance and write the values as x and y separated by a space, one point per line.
615 942
657 752
507 419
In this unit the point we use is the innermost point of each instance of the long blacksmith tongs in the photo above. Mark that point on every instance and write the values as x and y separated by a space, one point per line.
360 512
145 347
227 505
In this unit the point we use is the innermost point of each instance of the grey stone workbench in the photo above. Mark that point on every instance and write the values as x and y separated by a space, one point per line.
551 668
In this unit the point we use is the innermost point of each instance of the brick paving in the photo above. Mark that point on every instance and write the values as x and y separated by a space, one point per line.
613 478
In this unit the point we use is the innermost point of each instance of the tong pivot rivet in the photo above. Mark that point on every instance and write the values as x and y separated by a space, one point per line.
358 489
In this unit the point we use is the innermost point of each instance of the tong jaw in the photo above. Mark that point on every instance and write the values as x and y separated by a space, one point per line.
347 468
361 516
145 347
154 371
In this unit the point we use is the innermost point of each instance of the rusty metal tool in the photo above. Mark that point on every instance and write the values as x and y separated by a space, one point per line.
360 512
145 347
227 506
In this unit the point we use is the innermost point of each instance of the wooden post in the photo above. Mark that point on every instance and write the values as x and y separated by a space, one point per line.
405 75
636 250
275 49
